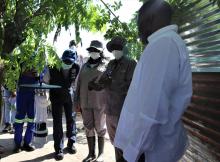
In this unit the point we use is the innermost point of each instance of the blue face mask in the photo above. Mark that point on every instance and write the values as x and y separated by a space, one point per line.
65 66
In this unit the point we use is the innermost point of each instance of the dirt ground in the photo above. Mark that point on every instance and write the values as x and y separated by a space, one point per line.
46 152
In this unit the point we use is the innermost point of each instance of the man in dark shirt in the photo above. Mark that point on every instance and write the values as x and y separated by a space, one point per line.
61 97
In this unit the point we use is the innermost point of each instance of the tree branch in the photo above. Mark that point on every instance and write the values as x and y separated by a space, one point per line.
111 11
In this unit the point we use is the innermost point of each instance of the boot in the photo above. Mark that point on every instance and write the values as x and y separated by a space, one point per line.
91 145
101 141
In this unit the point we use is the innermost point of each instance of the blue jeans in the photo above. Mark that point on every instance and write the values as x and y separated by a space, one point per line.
9 112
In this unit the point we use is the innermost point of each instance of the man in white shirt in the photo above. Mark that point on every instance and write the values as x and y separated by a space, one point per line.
159 93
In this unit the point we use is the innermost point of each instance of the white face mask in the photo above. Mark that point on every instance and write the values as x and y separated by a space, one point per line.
117 54
65 66
73 48
94 55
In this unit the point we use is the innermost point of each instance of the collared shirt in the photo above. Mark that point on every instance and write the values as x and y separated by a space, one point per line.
122 72
159 93
90 99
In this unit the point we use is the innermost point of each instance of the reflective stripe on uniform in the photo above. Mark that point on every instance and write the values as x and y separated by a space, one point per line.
29 120
19 120
24 120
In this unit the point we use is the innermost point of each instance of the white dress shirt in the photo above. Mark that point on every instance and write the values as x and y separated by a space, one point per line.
159 93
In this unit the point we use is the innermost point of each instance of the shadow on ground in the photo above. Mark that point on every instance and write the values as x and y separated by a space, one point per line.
41 158
8 149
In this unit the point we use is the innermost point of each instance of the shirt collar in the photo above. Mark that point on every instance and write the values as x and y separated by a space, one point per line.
162 31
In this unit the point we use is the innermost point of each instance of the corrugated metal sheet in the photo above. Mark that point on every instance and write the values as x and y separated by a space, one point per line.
202 119
201 30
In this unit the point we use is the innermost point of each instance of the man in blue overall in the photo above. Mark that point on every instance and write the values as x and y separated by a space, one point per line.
25 111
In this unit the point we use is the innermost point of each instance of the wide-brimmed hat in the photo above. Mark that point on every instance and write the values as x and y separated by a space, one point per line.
116 42
95 44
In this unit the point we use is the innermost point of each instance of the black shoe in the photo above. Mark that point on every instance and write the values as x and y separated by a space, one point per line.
70 147
8 128
17 149
59 155
90 158
71 150
28 147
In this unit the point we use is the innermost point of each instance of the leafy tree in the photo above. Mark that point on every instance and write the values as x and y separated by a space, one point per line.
25 24
128 31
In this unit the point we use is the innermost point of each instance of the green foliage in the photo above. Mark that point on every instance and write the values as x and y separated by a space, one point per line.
116 6
24 26
11 73
128 31
182 15
216 2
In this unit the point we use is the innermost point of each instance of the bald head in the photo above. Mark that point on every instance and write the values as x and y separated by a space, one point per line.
152 16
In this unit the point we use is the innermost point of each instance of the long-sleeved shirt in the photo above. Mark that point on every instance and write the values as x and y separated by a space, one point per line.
159 93
121 74
90 99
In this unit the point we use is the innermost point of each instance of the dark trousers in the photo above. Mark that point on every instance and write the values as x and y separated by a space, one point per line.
57 123
119 156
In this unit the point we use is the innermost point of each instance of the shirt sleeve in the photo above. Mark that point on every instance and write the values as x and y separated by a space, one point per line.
159 65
